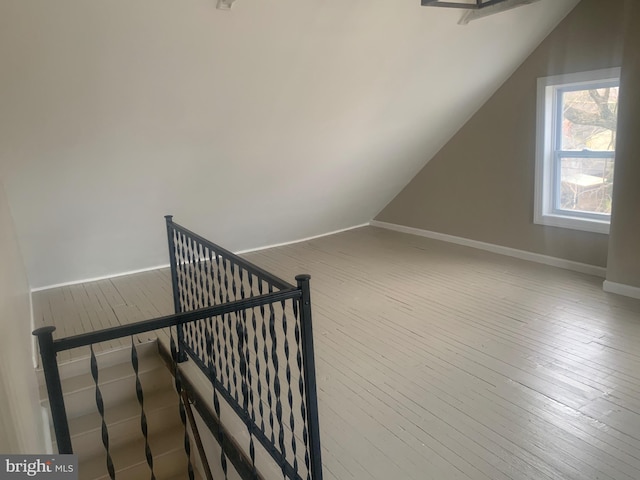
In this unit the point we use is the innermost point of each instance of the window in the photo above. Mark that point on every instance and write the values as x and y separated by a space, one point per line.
575 154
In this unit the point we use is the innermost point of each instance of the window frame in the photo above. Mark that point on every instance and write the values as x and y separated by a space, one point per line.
549 153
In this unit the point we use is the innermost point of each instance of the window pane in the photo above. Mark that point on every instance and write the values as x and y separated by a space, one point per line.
586 185
589 119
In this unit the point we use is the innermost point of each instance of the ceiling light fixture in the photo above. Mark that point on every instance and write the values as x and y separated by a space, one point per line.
469 4
476 9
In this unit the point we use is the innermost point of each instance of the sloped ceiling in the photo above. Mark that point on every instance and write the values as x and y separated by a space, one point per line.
277 120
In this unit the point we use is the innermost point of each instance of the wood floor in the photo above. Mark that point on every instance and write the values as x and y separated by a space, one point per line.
436 361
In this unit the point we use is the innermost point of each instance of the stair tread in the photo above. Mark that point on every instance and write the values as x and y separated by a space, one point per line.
196 476
171 465
114 414
122 415
106 375
87 440
131 454
105 359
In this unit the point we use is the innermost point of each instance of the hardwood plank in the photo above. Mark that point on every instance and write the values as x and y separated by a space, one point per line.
435 360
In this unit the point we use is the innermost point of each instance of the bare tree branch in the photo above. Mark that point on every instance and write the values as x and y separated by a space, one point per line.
605 117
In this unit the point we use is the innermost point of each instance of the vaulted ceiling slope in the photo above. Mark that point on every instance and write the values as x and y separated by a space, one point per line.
274 121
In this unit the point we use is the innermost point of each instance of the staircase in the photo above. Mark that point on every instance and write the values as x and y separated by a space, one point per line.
117 384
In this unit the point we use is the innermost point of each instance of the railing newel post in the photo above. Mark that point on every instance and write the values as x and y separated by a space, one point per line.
310 388
182 356
54 388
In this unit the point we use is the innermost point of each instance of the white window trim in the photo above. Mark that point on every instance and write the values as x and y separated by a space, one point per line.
545 126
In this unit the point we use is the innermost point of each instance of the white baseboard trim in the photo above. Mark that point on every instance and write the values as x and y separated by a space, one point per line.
621 289
257 249
46 427
157 267
95 279
490 247
34 341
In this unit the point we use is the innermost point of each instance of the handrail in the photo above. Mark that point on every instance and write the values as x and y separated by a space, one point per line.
235 453
50 347
158 323
276 281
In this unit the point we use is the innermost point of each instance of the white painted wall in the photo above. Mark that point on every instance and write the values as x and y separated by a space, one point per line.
277 120
21 428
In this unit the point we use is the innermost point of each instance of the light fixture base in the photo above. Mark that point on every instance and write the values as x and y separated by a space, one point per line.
225 4
470 15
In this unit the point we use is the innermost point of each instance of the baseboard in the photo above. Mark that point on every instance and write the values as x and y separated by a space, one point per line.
46 427
490 247
35 357
95 279
300 240
621 289
157 267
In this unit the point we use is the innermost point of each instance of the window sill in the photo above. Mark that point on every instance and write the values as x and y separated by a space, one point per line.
572 223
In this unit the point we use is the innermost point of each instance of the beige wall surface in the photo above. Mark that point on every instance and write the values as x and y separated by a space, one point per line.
271 122
481 184
624 240
20 414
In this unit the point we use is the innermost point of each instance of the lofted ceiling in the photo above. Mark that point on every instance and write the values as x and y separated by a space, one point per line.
270 122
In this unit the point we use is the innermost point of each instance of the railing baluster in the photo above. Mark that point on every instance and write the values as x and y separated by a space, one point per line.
251 409
181 408
267 368
245 371
143 416
254 325
216 402
203 298
292 423
219 297
231 318
187 302
226 327
303 410
276 383
256 346
190 281
100 405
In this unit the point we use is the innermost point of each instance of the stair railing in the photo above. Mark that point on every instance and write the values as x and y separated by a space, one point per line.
250 334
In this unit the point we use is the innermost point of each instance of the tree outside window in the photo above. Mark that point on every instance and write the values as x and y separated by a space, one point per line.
588 124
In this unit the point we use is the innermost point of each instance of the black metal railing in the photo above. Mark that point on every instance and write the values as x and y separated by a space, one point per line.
253 356
249 333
